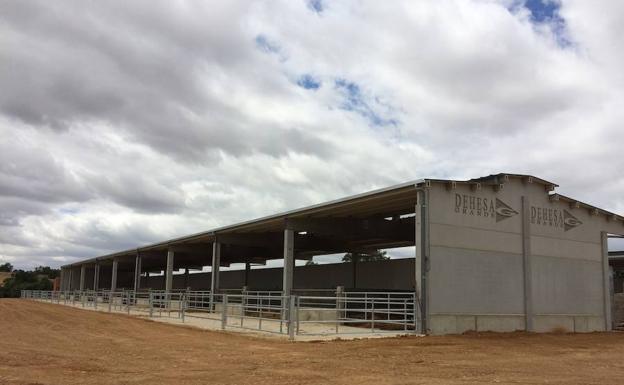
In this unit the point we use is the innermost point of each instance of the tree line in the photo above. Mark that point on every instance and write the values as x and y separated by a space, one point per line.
38 279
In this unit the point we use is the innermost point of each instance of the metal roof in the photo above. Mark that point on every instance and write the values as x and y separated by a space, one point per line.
391 199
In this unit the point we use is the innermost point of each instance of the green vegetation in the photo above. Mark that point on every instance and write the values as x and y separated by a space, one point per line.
6 268
38 279
376 256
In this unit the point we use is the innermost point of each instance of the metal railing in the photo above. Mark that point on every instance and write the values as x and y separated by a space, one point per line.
329 312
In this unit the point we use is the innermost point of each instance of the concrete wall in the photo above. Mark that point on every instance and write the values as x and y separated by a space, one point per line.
618 285
477 268
397 274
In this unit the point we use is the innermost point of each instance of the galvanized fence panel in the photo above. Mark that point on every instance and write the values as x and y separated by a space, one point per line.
263 311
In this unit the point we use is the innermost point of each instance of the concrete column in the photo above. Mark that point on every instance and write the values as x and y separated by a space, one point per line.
605 279
114 275
216 262
289 261
169 271
247 272
422 258
96 277
137 272
62 279
70 286
526 263
83 272
354 262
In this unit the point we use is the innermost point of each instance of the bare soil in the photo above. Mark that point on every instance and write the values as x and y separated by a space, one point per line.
44 343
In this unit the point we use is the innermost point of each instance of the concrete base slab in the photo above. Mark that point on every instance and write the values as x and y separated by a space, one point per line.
309 331
553 323
460 323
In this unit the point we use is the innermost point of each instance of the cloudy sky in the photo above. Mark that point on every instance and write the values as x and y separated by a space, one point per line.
124 123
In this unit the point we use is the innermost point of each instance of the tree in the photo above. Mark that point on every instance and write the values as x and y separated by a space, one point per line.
6 267
48 271
24 280
375 256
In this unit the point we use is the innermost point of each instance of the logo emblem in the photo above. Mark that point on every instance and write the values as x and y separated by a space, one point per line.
570 221
503 211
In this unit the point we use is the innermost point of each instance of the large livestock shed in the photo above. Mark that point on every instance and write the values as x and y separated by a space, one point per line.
502 253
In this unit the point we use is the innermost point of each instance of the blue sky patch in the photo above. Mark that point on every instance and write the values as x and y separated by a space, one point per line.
547 12
316 5
542 10
355 101
266 45
309 82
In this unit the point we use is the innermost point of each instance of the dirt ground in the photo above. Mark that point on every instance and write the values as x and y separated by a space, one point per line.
44 343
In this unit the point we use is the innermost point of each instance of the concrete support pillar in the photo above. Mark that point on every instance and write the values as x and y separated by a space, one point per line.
354 263
422 259
137 272
289 261
96 276
169 271
62 288
247 271
526 263
216 262
114 274
83 273
606 280
70 285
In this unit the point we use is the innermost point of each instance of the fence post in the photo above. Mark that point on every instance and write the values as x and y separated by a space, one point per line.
151 304
339 303
405 315
291 317
297 310
373 316
224 312
183 305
